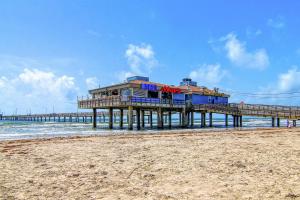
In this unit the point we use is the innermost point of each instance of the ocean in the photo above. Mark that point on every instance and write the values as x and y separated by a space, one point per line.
13 130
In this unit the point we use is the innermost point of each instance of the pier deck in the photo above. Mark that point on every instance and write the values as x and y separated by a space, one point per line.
136 110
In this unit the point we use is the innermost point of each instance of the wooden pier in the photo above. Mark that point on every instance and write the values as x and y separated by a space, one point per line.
141 113
186 111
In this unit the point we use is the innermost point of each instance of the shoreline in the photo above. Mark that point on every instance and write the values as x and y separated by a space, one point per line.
159 132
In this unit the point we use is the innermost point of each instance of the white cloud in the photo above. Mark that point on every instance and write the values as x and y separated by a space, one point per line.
277 23
39 91
240 56
92 82
290 80
209 75
141 60
280 91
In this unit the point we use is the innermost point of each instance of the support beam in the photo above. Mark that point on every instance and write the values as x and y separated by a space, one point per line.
192 118
237 123
121 118
278 122
210 119
130 118
170 119
110 123
138 118
184 118
241 121
273 121
234 120
160 122
94 117
151 119
294 123
179 119
203 119
143 118
226 120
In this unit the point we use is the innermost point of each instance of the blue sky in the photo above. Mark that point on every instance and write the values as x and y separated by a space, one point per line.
53 51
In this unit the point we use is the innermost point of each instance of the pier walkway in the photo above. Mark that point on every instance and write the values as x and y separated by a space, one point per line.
137 110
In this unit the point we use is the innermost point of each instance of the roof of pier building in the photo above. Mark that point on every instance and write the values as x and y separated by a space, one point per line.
187 86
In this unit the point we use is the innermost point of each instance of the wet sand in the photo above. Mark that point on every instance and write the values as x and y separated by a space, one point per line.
248 164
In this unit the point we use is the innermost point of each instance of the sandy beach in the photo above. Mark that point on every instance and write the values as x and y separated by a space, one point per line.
247 164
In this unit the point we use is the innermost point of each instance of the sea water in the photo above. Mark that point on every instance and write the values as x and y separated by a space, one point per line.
12 130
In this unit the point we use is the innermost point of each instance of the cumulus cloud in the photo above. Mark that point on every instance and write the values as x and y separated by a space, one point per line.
240 56
290 80
92 82
141 60
282 90
277 23
209 75
37 90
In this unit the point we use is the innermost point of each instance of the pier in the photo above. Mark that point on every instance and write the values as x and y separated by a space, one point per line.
164 112
141 114
138 101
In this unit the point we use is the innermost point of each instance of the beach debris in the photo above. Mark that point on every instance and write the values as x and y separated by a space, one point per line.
131 172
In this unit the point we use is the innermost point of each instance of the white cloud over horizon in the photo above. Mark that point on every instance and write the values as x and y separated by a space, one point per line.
209 75
284 90
92 82
38 91
290 80
141 60
238 54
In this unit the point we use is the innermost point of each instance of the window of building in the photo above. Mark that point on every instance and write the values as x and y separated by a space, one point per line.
152 94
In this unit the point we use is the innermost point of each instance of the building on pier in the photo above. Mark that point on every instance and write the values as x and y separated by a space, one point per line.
140 89
140 94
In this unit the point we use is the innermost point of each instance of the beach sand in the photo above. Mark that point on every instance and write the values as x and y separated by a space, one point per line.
247 164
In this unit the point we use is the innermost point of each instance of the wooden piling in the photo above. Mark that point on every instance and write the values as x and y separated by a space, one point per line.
241 121
192 118
130 118
160 118
170 119
110 123
143 118
138 119
210 119
94 117
121 118
226 120
203 119
151 119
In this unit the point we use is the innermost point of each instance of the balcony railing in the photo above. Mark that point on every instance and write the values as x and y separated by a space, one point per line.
127 101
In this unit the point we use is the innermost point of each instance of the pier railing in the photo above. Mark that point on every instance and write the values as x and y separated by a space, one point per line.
291 112
123 101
